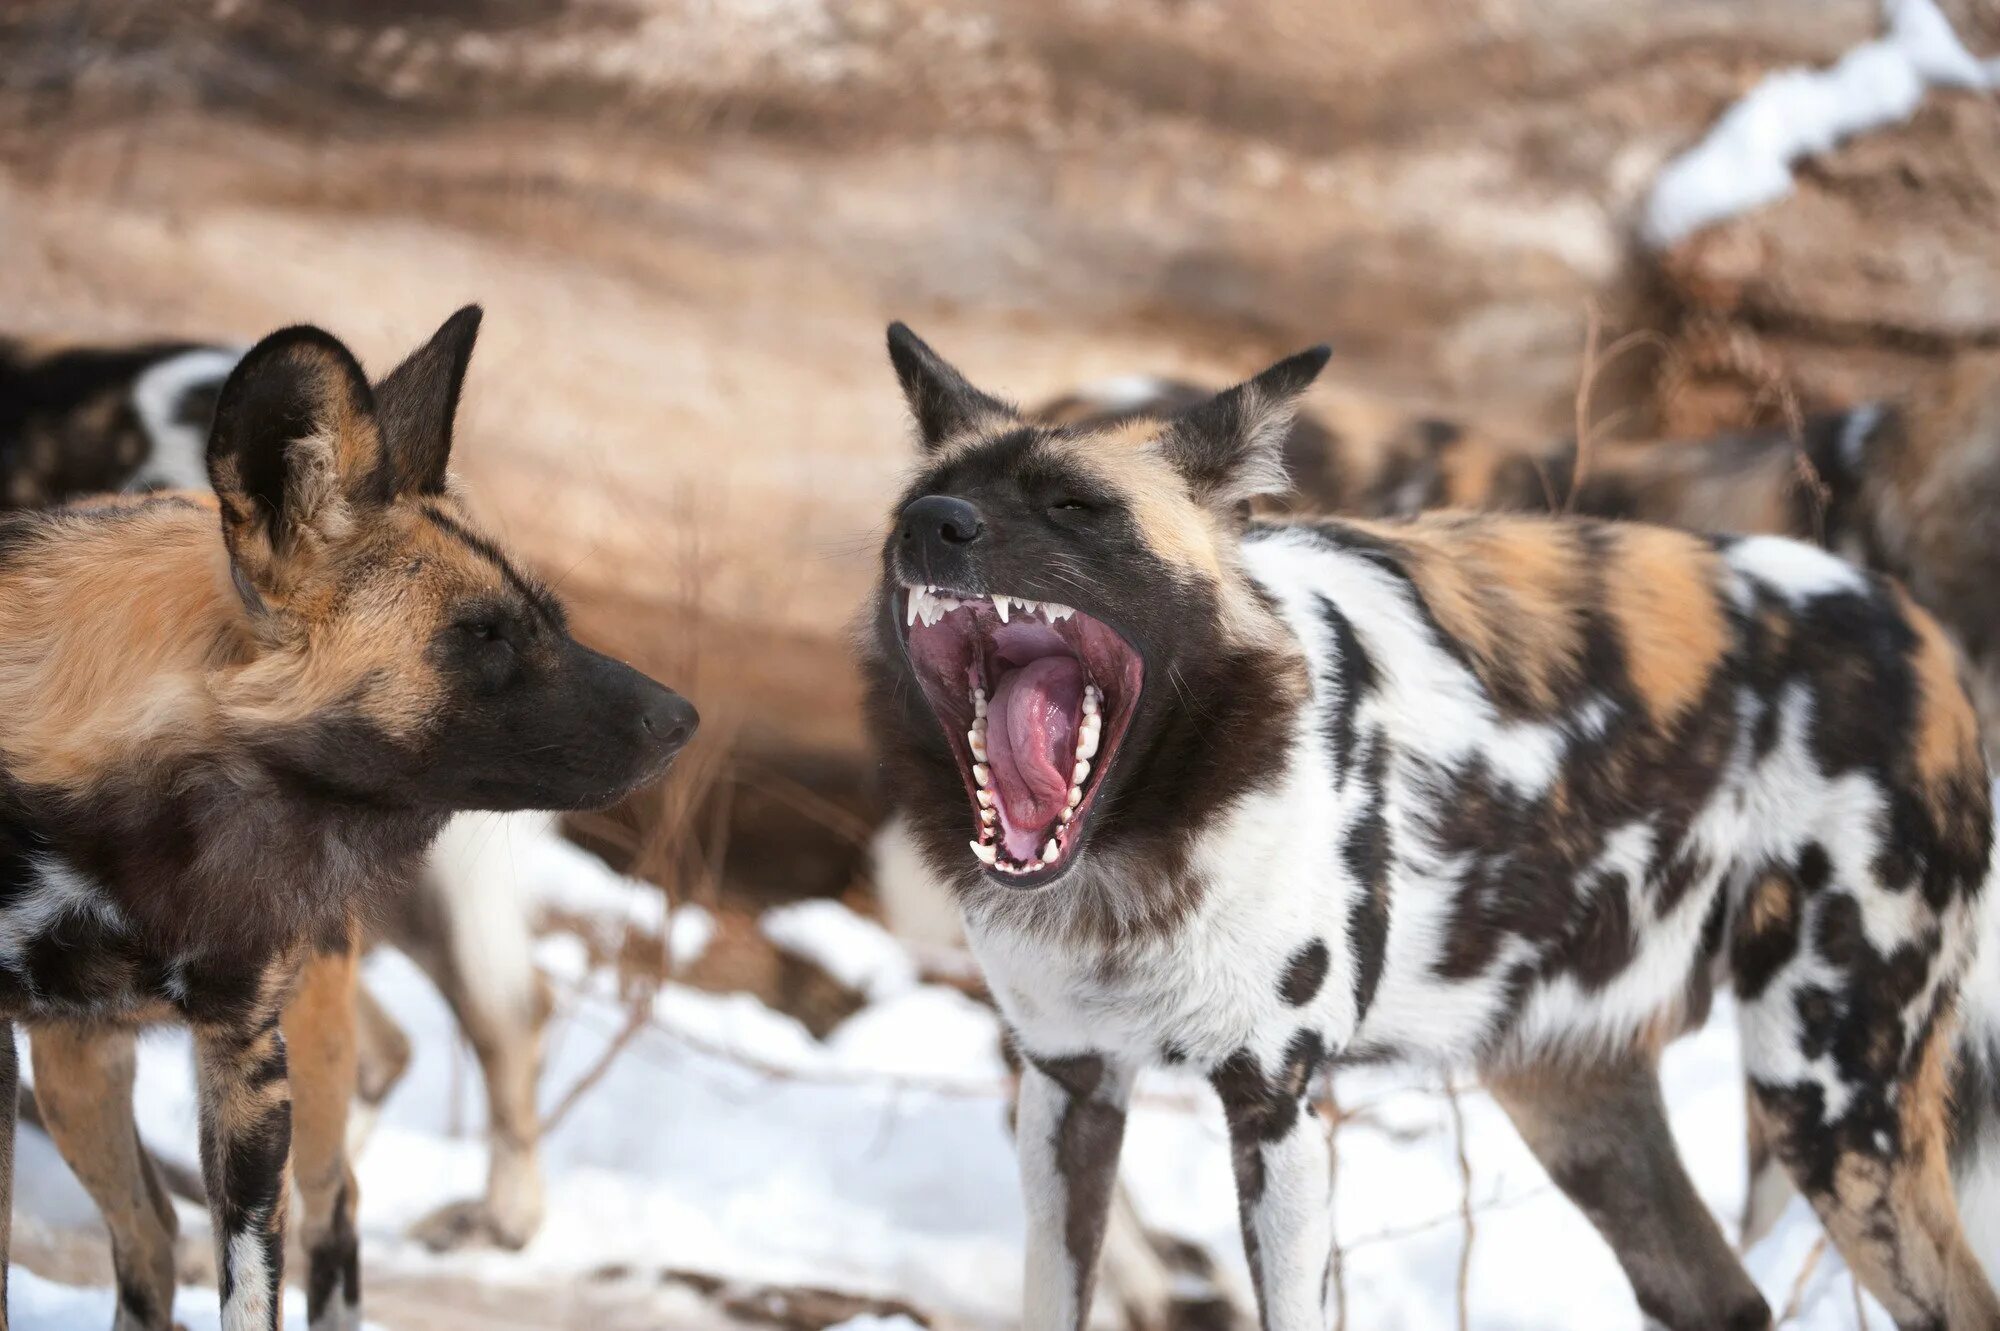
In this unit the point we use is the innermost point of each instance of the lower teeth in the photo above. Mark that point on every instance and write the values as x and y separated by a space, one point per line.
1089 737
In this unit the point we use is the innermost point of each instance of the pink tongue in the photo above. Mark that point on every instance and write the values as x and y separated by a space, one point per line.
1030 744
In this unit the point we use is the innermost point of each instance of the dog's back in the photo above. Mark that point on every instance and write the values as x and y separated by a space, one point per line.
77 420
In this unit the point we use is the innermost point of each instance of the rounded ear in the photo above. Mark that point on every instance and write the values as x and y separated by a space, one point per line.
294 428
945 404
416 406
1231 448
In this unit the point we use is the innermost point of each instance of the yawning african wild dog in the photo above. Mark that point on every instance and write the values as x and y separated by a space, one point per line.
227 725
77 420
1512 792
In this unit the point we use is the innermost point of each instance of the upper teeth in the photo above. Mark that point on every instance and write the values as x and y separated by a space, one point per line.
930 605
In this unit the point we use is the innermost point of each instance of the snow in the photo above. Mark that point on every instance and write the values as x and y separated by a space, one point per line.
858 952
1746 159
42 1305
726 1139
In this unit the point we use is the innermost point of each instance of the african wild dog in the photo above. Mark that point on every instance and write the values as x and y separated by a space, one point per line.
1250 795
78 420
229 726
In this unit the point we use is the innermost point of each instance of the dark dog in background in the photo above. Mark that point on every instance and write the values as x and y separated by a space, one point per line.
77 420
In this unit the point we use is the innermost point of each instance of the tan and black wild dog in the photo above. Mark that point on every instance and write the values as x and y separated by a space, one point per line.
1511 793
229 728
82 419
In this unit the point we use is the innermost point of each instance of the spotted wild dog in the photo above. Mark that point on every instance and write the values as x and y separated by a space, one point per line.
231 725
83 419
1515 793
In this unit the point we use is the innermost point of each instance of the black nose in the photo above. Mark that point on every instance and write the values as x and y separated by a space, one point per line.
939 525
669 719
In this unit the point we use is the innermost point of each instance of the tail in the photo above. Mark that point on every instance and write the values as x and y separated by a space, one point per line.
915 905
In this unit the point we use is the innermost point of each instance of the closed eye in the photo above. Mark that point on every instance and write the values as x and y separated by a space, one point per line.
1070 504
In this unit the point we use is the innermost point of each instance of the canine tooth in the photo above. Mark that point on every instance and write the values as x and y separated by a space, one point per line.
1051 850
1075 797
1081 774
976 739
913 610
1000 606
987 854
985 798
982 776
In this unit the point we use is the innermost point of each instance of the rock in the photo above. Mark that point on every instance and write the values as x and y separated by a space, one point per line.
1878 269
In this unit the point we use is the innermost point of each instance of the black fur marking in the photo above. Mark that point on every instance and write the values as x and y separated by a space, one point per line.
537 597
1354 679
1305 973
1086 1148
333 1266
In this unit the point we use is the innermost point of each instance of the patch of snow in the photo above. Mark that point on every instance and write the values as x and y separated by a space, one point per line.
858 952
35 1304
1746 160
872 1322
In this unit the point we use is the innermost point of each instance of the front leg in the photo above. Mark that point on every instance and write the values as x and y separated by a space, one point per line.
246 1141
1071 1125
320 1046
1284 1183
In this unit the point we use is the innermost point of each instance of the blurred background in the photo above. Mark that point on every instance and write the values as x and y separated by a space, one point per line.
688 221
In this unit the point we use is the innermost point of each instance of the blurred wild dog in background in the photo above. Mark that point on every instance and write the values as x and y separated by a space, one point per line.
1910 488
77 420
1248 796
230 727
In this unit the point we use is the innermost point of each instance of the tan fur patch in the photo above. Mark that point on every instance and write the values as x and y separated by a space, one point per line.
1510 591
1947 738
107 628
319 1025
1660 592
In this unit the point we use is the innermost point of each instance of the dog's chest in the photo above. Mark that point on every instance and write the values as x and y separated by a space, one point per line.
1255 962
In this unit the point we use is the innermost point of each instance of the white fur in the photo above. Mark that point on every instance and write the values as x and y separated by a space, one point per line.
249 1307
1795 570
472 871
59 893
1855 431
1123 393
178 458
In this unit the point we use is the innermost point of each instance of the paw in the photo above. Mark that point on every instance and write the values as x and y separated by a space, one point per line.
469 1224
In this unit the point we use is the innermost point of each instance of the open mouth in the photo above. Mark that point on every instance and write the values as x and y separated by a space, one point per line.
1035 698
